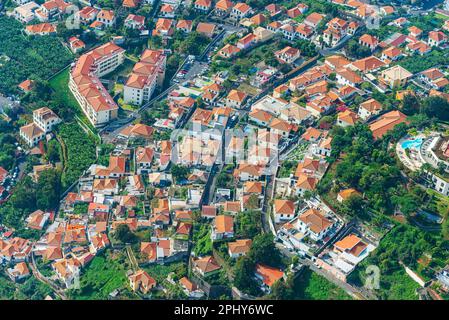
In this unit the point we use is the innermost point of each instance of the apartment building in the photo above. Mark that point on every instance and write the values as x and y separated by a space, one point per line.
147 74
44 120
31 134
92 96
25 12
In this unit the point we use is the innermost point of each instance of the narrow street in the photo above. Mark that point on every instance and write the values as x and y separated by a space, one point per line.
36 273
132 258
266 204
112 130
355 292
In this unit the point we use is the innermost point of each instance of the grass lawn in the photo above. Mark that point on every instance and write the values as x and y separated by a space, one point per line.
122 71
78 151
287 167
441 17
103 275
118 88
127 107
249 89
160 272
60 84
402 287
311 286
440 204
300 18
30 289
299 152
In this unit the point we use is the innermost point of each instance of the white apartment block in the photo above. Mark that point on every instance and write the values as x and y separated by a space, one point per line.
440 184
92 96
147 74
31 134
43 122
45 119
25 13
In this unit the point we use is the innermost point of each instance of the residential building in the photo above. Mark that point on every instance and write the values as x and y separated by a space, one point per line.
208 29
19 272
246 42
92 96
38 219
288 55
206 266
369 108
392 53
268 276
147 74
315 224
223 7
87 15
284 210
235 99
32 134
45 119
190 288
133 21
347 118
141 281
25 12
228 51
203 5
239 248
185 25
345 76
106 17
313 19
346 194
386 123
240 10
368 41
223 227
76 45
40 29
436 38
395 77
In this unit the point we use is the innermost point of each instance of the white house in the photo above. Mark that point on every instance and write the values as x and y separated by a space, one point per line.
315 224
147 74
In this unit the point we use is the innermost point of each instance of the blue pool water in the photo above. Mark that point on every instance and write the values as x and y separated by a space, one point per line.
416 143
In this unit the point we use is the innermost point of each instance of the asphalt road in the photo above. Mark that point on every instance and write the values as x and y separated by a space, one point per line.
355 292
111 131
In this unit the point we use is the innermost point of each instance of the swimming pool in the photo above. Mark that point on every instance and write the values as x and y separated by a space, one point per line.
415 143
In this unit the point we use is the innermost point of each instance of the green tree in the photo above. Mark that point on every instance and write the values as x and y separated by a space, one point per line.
52 151
436 107
281 291
411 104
24 196
179 172
263 250
124 234
353 206
244 276
248 224
355 50
48 189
